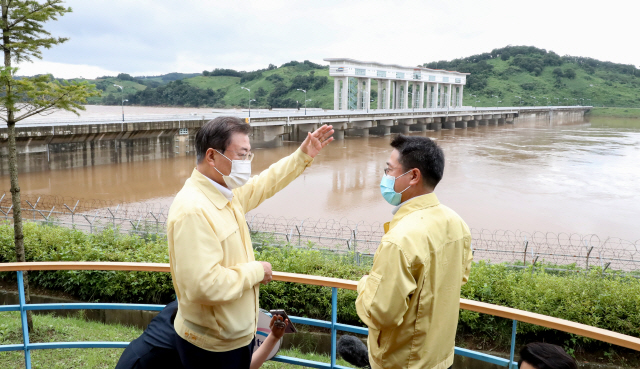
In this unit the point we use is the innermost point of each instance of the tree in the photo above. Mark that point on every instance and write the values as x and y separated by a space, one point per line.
570 73
557 73
23 37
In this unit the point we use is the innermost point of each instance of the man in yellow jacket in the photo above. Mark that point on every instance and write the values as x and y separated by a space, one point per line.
215 275
411 298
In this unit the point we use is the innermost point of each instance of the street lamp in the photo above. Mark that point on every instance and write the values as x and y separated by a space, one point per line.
305 99
497 97
123 100
244 88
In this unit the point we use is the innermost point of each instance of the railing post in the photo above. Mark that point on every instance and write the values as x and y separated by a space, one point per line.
334 320
512 364
23 318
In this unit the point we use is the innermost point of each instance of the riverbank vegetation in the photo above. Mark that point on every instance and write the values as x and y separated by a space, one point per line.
610 301
508 76
614 113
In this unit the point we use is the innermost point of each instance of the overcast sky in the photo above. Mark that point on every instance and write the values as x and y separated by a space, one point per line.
143 37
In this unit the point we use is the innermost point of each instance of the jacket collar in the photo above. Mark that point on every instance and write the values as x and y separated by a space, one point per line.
411 205
204 184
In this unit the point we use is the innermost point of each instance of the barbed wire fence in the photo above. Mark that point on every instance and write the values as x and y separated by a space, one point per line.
556 251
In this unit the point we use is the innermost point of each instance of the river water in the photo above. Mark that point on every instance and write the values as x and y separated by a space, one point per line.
580 177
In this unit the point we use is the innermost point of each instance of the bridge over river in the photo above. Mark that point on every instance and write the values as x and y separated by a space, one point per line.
271 128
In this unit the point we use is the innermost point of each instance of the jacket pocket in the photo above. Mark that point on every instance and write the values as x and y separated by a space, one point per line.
224 232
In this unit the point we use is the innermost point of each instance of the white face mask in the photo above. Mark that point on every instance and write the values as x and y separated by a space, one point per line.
240 172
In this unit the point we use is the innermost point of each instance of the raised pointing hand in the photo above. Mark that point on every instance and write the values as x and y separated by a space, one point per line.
317 140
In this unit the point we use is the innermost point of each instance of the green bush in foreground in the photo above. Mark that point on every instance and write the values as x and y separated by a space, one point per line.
609 302
50 243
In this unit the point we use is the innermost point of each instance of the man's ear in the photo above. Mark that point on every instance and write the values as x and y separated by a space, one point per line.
416 176
209 157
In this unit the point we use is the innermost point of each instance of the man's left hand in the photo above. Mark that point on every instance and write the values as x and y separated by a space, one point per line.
317 140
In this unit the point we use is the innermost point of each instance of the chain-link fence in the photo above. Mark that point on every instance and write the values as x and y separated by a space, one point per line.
558 250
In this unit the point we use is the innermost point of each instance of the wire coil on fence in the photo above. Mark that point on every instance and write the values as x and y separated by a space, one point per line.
343 236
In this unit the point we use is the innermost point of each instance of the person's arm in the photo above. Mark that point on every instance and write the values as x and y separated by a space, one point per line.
284 171
383 295
196 257
277 327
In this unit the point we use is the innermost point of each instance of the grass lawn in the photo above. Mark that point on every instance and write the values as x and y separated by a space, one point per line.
213 83
50 329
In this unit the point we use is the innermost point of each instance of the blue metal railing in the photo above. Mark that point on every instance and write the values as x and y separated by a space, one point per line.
333 325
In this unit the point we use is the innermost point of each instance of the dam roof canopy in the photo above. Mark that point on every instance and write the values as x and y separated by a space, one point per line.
343 67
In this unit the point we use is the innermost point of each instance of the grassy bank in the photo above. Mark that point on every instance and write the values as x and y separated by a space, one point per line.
615 112
50 329
606 301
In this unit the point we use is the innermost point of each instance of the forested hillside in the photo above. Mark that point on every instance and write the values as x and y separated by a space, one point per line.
524 75
221 88
509 76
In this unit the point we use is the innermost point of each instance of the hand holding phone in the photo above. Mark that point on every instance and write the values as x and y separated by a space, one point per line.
290 327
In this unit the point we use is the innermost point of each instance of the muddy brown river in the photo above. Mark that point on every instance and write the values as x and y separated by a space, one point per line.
579 177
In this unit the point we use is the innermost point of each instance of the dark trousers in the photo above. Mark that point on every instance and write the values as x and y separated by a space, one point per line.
193 357
141 355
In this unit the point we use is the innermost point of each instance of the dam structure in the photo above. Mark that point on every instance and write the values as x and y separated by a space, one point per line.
409 99
430 88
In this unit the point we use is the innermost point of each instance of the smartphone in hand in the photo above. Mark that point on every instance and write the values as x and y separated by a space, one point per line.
290 327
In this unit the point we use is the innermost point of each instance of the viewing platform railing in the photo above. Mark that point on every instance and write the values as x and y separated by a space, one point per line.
334 283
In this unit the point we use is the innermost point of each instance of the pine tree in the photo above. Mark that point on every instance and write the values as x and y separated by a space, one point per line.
23 38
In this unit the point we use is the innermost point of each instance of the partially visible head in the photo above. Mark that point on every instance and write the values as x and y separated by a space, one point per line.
228 136
421 155
540 355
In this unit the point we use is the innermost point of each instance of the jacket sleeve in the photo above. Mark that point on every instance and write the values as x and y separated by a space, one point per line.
383 295
272 180
468 253
197 254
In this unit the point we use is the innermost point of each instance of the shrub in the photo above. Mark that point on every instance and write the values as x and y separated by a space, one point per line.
528 86
50 243
570 73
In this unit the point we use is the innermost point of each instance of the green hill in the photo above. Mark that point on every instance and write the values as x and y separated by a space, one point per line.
524 75
510 76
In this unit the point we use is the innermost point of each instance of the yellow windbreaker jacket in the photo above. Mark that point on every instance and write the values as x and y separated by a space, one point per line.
215 275
411 298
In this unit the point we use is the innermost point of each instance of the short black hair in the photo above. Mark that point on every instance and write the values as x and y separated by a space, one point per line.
546 356
216 134
422 153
